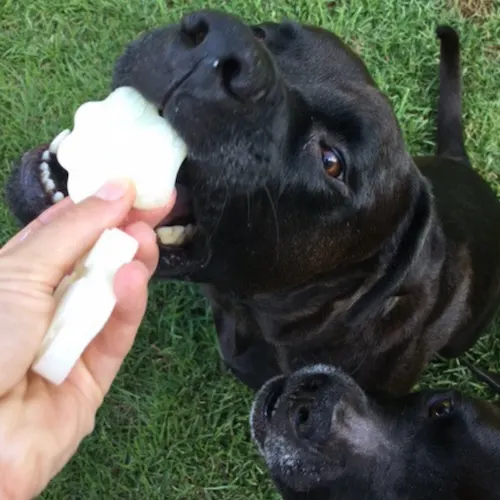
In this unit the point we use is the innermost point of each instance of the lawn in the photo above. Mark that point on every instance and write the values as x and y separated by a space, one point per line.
175 426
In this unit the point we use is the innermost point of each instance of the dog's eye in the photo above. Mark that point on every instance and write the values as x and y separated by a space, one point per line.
332 162
441 408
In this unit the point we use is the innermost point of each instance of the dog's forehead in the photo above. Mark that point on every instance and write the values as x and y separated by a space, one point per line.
332 79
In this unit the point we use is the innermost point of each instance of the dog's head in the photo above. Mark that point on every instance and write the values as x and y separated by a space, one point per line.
296 166
320 434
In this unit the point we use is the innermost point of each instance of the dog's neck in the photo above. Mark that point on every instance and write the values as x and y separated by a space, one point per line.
369 303
380 276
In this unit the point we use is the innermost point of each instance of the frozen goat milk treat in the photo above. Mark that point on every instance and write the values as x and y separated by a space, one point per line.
84 303
121 136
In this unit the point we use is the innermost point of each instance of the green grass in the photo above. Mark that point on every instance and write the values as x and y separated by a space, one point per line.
174 425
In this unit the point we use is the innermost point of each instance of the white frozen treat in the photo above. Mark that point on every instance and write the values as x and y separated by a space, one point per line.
84 302
122 136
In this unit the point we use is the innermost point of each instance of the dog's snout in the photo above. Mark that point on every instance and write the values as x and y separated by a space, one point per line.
229 52
311 408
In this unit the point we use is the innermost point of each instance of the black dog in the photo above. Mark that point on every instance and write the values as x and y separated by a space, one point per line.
318 237
323 438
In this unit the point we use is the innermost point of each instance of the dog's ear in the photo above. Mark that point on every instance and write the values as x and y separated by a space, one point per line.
409 246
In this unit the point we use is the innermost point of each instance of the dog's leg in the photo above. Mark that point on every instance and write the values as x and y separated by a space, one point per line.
250 359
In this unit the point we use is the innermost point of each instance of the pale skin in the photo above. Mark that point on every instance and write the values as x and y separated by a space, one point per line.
42 425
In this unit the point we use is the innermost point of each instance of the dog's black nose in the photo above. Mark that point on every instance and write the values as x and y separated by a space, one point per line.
225 49
311 408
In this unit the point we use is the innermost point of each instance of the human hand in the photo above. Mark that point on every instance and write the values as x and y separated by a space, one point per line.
42 425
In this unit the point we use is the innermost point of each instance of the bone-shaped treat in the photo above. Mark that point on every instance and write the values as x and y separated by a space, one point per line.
122 136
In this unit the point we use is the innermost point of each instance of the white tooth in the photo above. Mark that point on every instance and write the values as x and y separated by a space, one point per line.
50 185
172 235
57 197
45 176
54 145
44 167
46 155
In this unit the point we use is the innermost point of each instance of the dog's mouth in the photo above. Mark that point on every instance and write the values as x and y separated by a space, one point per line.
174 233
180 227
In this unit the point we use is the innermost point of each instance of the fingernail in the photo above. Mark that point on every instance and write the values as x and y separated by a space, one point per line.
113 190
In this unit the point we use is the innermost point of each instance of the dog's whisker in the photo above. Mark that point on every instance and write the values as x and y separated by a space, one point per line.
221 213
276 222
249 209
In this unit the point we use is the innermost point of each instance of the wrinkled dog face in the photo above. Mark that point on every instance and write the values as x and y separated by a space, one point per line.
317 427
292 150
288 159
318 432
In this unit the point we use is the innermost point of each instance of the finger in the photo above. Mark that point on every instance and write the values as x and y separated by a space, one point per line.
148 252
104 356
47 254
44 218
152 217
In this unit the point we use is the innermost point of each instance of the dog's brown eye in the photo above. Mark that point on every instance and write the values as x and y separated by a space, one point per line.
440 408
332 162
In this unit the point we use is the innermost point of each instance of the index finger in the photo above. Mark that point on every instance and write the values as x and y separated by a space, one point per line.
47 254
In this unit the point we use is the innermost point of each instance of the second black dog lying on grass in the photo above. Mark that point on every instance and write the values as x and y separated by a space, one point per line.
324 438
